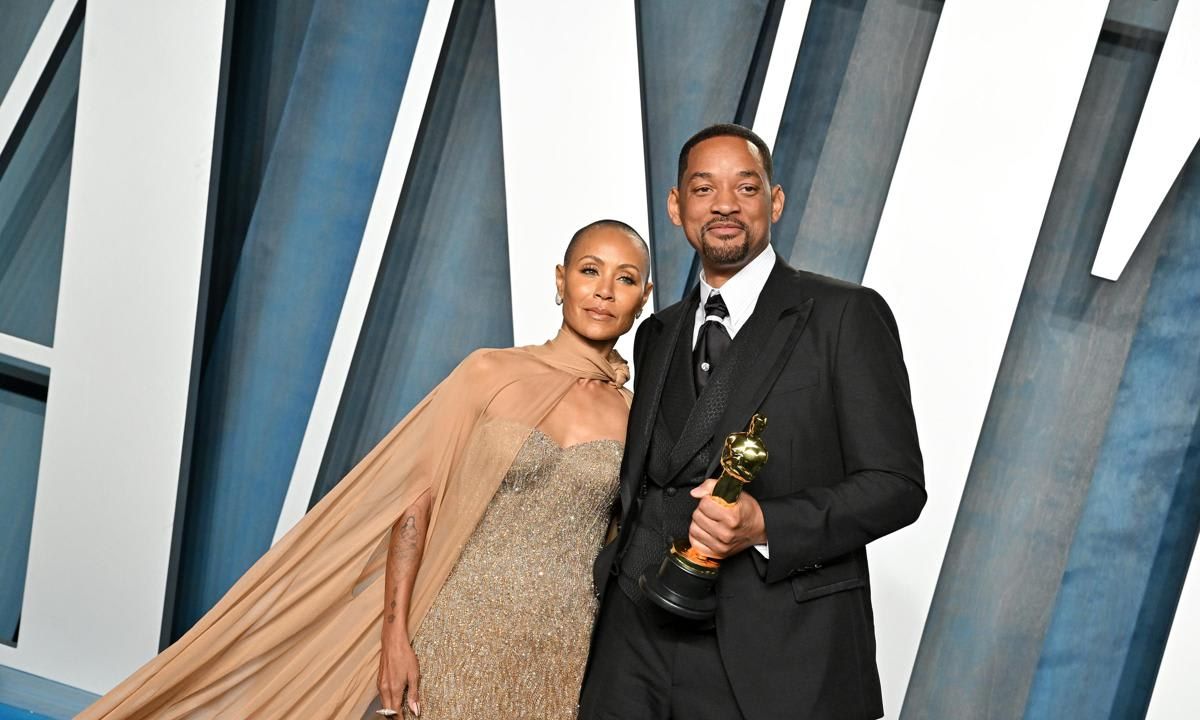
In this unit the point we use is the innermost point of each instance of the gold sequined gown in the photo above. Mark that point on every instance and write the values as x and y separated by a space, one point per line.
508 634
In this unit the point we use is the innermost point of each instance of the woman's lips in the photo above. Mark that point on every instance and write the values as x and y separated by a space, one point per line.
599 313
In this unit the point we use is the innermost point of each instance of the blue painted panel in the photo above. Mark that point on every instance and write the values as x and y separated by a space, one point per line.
274 330
23 695
267 38
443 289
19 23
845 119
1046 421
8 712
22 414
33 207
697 60
817 80
1138 529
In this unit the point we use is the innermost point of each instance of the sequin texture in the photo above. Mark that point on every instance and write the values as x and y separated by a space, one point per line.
508 634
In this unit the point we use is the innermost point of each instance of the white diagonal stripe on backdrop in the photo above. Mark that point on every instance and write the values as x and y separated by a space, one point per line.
571 115
778 80
1176 692
33 67
962 217
124 338
1167 132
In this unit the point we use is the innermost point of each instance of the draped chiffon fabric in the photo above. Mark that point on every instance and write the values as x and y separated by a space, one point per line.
299 634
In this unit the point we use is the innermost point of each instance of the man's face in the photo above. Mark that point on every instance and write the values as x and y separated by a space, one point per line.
725 205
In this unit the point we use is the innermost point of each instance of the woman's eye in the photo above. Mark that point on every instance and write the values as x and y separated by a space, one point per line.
628 280
589 271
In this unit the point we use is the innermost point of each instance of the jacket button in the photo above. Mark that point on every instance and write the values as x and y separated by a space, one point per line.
671 492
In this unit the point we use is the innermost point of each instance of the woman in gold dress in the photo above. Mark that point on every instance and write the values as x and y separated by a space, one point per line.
470 529
508 633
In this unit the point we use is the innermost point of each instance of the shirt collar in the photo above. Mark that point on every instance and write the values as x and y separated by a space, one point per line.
742 290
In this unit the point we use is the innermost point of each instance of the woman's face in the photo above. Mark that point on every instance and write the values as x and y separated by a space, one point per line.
605 282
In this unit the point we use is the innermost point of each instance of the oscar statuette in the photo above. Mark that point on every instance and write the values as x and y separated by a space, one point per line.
684 583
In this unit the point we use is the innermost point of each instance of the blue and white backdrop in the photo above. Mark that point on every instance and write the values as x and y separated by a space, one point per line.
238 240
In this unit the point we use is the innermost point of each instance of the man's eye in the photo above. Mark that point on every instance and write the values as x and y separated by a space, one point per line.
749 188
702 190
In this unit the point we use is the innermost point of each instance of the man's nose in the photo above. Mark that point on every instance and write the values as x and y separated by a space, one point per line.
725 202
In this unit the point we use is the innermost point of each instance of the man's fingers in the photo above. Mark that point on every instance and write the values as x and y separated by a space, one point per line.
704 488
718 513
704 543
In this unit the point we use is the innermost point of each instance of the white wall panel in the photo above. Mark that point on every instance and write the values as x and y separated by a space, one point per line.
115 416
571 115
962 217
22 349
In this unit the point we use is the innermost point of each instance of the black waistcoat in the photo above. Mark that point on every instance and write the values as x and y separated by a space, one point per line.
665 507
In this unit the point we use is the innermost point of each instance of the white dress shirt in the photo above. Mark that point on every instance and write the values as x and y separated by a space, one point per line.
740 293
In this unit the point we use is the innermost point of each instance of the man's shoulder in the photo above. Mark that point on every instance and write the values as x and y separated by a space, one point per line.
825 286
829 291
665 316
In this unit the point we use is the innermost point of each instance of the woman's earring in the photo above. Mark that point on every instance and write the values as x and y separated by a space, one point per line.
558 298
637 314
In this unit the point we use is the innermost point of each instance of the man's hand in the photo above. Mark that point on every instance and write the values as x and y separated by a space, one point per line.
718 531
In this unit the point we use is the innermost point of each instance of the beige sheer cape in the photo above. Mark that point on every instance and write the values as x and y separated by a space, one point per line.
299 634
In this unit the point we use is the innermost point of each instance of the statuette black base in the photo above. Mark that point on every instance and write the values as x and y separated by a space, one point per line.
682 588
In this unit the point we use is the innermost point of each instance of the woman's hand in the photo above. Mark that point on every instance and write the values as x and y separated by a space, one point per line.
399 671
398 668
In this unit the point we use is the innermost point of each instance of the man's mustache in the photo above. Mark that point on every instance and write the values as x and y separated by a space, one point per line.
724 221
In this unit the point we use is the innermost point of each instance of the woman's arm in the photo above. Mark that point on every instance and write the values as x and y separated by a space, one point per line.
398 666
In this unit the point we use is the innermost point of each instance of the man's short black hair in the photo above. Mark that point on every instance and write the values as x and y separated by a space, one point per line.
723 130
610 224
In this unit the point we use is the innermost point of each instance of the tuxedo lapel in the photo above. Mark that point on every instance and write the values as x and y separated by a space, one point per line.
763 371
755 358
650 381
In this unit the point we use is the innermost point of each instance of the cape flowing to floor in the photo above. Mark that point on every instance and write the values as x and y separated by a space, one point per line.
299 634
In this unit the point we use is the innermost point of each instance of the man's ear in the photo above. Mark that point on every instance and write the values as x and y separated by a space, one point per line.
777 200
673 207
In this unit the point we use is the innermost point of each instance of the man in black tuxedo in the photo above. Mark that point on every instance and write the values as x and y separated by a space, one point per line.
793 636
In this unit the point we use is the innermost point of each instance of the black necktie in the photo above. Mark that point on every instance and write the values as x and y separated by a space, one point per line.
712 341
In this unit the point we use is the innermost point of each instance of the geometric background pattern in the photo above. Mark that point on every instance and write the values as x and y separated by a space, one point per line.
1081 510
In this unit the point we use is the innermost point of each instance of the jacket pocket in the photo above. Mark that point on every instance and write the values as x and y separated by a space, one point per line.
796 378
812 584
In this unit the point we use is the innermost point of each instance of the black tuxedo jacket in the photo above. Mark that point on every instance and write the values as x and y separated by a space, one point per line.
820 359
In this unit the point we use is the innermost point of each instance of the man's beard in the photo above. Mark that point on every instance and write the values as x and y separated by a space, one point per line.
725 252
729 252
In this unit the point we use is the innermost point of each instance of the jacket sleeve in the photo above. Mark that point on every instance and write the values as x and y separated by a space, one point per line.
883 488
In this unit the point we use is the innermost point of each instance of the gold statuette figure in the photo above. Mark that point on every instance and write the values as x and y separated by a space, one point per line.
684 582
